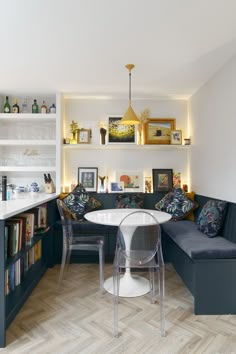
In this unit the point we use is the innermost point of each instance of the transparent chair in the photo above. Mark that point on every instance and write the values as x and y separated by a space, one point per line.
72 241
139 246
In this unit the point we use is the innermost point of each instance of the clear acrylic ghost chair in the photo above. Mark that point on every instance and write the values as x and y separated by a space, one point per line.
139 246
72 241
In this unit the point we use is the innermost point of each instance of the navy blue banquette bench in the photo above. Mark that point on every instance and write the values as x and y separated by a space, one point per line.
206 265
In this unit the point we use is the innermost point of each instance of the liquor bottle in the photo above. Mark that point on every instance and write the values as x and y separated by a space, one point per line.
7 107
44 108
4 187
15 107
35 107
25 105
52 108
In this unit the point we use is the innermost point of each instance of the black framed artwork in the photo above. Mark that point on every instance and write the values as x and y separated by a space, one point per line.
162 179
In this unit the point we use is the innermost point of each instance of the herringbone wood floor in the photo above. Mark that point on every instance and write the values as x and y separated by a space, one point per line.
78 319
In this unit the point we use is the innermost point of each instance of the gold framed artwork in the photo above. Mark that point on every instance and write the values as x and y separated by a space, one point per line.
83 136
176 137
158 130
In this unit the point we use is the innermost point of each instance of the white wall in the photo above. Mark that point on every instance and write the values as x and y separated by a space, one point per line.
213 126
110 159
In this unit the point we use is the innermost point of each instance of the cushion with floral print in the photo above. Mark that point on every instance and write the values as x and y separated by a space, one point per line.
211 217
180 206
79 202
131 200
165 201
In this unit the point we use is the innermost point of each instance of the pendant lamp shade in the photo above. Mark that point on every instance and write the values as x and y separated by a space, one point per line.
130 116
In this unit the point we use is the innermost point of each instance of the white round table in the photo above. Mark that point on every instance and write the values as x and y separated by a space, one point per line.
130 285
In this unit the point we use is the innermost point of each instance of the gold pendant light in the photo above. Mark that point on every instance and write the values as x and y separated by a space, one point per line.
130 116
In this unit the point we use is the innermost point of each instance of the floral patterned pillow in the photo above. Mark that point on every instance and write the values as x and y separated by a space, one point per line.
129 201
80 202
180 206
211 217
165 201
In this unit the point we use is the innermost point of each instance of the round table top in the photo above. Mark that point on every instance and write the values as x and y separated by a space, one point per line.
113 217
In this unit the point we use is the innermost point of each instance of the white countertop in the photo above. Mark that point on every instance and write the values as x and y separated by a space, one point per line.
23 202
113 217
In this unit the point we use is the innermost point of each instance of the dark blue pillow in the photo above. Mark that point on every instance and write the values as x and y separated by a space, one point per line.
211 217
180 206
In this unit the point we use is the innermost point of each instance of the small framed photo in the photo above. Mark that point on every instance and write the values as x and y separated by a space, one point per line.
176 137
83 136
117 187
133 181
120 133
162 180
158 130
88 177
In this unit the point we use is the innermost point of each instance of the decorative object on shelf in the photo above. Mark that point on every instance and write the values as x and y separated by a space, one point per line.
176 137
185 188
187 141
102 187
88 177
176 179
35 107
34 187
83 136
158 130
103 135
117 187
144 116
133 180
25 105
66 141
73 129
130 117
15 107
162 180
148 184
7 107
119 133
4 187
44 108
49 185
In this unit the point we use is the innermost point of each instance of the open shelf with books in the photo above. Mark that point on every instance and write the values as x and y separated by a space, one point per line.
25 251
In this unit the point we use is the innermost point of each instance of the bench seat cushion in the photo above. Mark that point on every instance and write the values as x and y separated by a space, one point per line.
196 244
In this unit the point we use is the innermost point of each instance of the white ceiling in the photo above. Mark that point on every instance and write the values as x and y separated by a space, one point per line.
82 46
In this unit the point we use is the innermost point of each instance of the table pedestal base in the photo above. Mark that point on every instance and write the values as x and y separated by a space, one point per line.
130 285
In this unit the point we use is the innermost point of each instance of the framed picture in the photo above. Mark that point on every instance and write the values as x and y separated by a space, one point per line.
120 133
83 136
88 177
176 137
117 187
133 181
158 130
162 179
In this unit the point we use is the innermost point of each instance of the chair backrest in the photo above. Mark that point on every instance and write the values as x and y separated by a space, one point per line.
66 219
139 237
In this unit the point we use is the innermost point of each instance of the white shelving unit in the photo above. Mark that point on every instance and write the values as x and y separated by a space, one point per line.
29 144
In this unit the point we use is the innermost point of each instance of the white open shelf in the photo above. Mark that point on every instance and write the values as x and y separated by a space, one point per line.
27 116
27 142
27 168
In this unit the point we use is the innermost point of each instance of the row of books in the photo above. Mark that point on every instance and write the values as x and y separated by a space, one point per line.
16 271
20 230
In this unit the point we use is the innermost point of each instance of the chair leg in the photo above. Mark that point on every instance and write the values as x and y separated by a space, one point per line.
161 282
63 262
152 285
116 285
101 268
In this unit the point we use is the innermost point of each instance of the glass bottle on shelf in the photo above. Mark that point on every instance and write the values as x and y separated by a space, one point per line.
15 107
35 107
52 108
44 108
25 105
7 107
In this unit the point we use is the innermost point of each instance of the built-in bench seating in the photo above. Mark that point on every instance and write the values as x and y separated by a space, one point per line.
206 265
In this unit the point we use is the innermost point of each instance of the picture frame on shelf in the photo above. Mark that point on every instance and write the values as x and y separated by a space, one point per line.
133 180
88 177
162 179
176 137
83 136
158 130
120 133
117 187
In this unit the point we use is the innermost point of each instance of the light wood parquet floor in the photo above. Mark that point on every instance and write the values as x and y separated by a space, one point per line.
79 320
